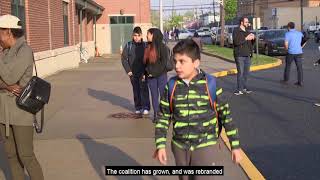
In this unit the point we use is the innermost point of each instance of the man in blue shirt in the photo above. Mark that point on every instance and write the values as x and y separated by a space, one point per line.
293 43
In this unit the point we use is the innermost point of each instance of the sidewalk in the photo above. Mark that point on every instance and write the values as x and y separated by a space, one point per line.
81 136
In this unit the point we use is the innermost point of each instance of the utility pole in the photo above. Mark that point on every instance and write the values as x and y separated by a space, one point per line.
214 11
222 14
301 8
161 18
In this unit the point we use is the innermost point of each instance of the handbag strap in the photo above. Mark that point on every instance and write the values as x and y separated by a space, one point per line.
36 124
35 66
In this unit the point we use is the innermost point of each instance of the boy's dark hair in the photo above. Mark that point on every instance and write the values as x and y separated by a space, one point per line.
137 30
242 19
188 47
291 25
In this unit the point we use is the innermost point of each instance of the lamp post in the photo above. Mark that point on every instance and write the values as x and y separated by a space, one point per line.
161 18
301 11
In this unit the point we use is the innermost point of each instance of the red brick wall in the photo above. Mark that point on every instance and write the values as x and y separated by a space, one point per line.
71 18
76 27
38 25
142 12
5 7
57 24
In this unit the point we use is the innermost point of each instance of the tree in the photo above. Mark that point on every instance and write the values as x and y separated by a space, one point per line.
155 18
230 7
176 20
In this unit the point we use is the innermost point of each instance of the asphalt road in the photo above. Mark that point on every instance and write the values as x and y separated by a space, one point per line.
279 125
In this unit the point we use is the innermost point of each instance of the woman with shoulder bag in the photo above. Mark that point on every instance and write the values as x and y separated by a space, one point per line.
16 125
155 57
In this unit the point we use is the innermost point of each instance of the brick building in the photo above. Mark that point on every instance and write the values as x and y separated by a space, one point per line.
115 25
53 30
56 29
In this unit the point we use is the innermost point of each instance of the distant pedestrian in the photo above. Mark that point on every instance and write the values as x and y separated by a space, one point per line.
293 43
132 61
166 36
155 58
242 41
176 33
198 40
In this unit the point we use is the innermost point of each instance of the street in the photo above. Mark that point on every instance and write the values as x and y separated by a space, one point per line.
279 124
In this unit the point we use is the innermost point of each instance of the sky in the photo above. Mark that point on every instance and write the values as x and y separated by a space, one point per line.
185 4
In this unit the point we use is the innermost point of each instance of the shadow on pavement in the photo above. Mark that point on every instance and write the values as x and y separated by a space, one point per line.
101 155
112 98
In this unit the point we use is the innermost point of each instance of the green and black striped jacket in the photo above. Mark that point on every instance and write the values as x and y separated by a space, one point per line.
194 121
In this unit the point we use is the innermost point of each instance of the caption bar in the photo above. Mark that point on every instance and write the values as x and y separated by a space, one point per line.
163 170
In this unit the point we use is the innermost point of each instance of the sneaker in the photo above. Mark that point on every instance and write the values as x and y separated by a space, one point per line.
238 93
247 91
145 112
298 84
317 104
316 64
138 112
284 82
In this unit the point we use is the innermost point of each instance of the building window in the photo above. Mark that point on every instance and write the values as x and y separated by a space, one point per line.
121 20
65 23
18 9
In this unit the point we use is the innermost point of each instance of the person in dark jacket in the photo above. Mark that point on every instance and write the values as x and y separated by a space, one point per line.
242 41
132 61
155 57
195 126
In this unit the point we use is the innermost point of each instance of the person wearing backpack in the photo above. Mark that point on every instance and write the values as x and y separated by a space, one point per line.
132 61
156 57
197 110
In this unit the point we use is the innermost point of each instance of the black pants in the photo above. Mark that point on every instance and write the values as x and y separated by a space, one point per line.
140 93
297 58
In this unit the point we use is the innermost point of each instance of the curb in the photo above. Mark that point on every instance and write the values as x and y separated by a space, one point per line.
248 167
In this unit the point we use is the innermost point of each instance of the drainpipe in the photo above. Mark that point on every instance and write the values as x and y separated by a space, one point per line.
95 32
81 11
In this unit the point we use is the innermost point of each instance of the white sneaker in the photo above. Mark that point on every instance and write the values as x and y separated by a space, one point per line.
145 112
138 112
317 104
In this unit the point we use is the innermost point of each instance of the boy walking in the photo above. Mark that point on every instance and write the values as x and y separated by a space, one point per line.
132 61
194 113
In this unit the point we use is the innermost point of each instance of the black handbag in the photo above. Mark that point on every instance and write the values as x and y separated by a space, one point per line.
33 98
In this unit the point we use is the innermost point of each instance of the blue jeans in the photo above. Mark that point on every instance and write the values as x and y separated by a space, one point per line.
297 58
157 85
243 68
140 94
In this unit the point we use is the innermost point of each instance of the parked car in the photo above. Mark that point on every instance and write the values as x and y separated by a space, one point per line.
184 34
228 39
271 42
204 31
192 31
206 39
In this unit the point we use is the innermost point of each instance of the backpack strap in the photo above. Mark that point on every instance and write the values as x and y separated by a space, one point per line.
129 46
172 83
211 86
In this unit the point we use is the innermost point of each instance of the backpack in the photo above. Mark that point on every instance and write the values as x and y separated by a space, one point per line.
129 47
170 63
211 86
